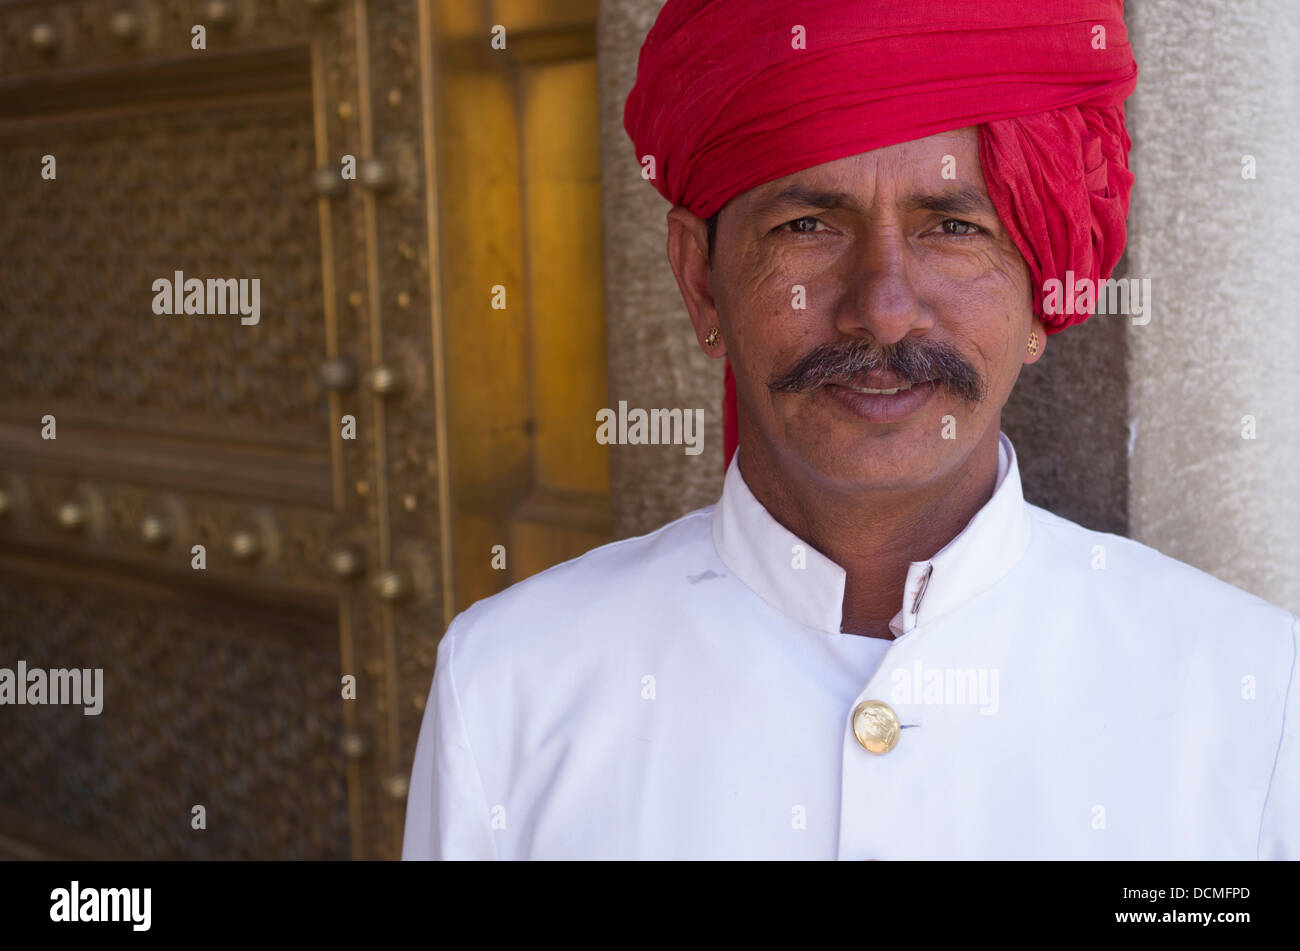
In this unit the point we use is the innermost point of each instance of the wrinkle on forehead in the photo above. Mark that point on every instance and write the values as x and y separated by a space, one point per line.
920 162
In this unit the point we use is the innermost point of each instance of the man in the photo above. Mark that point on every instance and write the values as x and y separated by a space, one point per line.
871 646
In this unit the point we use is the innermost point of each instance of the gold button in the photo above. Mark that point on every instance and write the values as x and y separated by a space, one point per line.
875 724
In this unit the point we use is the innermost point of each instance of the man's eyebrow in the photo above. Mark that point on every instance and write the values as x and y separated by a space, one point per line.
805 196
959 201
964 200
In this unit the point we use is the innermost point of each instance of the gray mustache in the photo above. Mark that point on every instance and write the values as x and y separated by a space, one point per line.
915 362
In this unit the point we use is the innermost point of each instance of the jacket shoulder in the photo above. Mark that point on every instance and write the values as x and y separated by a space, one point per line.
1150 584
612 581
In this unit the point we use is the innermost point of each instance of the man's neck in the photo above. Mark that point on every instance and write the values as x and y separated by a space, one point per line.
874 535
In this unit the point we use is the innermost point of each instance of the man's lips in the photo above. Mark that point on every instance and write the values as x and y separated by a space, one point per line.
881 404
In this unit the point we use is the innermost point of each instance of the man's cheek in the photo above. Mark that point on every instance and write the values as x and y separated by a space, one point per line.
994 278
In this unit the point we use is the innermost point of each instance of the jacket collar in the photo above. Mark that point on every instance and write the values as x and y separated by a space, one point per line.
765 555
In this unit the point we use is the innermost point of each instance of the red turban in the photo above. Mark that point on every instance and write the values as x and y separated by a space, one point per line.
731 94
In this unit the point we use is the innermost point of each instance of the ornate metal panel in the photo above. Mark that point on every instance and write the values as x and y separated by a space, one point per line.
325 555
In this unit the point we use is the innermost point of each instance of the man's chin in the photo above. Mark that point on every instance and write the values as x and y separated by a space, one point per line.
900 455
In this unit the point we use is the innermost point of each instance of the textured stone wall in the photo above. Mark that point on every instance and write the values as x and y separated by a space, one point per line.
1216 82
654 360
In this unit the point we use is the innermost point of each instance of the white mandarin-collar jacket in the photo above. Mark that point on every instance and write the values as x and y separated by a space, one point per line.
1063 693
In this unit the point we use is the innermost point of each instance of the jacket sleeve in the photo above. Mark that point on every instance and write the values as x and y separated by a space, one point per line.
447 815
1279 832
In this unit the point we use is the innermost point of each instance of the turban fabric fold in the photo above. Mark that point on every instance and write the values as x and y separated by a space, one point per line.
731 94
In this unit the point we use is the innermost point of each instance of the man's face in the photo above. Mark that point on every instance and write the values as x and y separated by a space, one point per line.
906 277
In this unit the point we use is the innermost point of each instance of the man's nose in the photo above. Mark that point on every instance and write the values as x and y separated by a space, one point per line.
881 296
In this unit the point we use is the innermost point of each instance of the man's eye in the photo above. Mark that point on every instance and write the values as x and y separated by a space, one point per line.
795 226
958 228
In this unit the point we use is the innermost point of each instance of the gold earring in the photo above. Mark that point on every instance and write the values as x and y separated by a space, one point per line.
1033 343
711 338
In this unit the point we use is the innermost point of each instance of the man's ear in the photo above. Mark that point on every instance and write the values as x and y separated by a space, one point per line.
688 253
1037 336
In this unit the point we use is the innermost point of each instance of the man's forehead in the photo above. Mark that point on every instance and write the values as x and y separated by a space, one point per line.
944 165
927 192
